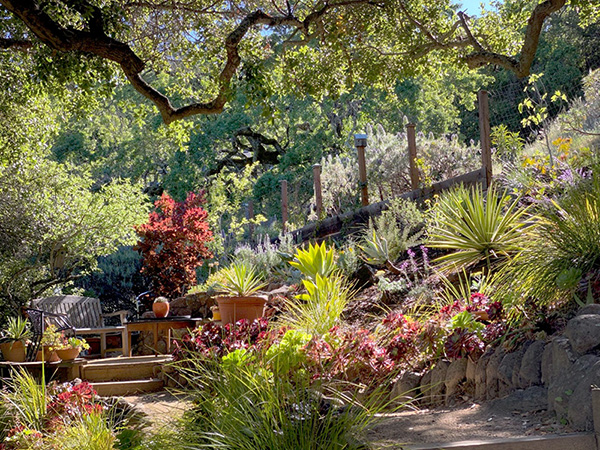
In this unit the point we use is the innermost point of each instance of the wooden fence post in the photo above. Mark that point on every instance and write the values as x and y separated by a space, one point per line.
484 132
360 142
284 204
412 155
318 193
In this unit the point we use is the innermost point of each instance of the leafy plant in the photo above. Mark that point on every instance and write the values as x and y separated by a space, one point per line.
51 337
320 308
476 227
316 260
240 279
74 342
89 432
17 329
563 248
173 243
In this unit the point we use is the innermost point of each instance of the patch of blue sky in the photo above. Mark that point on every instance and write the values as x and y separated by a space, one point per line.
473 7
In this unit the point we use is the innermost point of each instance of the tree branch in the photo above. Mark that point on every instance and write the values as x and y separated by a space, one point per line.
15 44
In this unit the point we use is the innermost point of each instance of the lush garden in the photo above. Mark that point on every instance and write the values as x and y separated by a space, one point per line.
99 197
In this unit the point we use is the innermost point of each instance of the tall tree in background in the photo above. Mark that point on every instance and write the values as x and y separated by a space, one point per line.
316 47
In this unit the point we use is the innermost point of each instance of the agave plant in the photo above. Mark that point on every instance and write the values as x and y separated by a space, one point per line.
476 227
241 280
315 260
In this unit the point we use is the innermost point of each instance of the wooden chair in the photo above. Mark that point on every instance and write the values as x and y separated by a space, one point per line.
85 314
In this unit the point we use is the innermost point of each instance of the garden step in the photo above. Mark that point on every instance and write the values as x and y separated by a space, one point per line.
122 369
120 388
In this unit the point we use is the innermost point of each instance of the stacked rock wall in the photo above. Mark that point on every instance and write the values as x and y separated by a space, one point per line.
563 369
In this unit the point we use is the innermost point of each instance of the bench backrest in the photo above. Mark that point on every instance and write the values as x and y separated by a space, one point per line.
83 312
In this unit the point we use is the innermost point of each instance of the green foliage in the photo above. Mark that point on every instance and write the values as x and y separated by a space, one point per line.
317 311
17 329
508 143
393 232
562 248
316 260
56 223
25 400
240 279
476 227
286 357
246 407
465 320
90 432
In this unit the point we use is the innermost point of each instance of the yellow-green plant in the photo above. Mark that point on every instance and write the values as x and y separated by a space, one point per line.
321 307
316 260
90 432
240 279
476 227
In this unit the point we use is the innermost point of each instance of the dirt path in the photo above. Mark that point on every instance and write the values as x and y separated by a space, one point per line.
503 418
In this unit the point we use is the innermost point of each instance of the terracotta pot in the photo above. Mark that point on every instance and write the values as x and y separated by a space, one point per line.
160 309
68 354
233 309
216 314
13 351
49 356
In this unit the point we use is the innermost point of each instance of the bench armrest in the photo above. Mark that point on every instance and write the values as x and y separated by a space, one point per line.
122 316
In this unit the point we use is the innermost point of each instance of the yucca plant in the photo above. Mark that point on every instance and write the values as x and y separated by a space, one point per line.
562 252
317 259
240 279
17 329
476 227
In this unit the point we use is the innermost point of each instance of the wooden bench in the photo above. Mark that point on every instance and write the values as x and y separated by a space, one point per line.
85 314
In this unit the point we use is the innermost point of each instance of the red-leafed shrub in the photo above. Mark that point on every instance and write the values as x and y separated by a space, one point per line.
173 243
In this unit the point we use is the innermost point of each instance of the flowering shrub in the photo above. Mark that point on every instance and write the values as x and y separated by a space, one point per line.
173 243
71 401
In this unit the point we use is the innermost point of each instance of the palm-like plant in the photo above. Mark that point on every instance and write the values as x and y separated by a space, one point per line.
240 279
477 227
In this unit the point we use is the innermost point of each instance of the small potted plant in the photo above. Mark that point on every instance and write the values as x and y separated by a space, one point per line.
71 348
51 341
240 282
160 307
14 338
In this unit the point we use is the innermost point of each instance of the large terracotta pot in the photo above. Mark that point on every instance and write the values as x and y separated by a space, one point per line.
68 354
160 309
49 356
13 351
233 309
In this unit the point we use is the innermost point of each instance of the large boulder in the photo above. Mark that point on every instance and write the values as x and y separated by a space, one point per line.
492 376
406 388
584 333
563 385
438 381
455 375
530 372
580 411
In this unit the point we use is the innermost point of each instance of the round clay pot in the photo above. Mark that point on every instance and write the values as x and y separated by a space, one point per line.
68 354
13 351
160 309
233 309
49 356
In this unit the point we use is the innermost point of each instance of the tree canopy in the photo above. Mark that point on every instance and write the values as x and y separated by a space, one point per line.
214 47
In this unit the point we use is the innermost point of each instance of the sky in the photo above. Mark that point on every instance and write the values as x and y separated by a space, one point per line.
472 6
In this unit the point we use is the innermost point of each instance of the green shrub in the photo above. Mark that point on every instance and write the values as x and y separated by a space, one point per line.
476 228
316 260
561 250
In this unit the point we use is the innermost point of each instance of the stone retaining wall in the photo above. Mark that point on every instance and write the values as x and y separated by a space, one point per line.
555 374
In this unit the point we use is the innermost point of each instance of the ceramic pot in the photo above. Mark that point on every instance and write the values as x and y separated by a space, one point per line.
49 356
160 310
68 354
233 309
13 351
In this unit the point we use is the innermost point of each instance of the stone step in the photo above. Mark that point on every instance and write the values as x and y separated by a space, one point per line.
122 369
130 387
